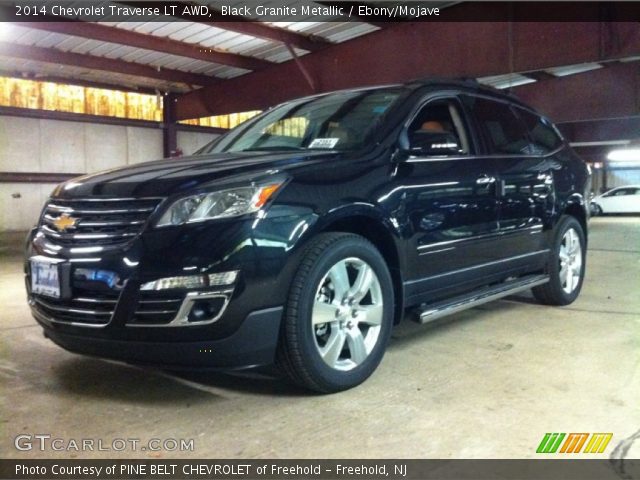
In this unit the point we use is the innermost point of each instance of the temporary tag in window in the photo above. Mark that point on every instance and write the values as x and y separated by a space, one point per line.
324 143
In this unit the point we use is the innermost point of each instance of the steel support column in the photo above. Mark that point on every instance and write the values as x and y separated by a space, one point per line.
169 126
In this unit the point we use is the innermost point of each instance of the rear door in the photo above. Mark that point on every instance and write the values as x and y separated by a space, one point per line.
524 175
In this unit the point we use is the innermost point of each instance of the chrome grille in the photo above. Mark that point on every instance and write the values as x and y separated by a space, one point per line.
93 311
96 309
97 221
156 309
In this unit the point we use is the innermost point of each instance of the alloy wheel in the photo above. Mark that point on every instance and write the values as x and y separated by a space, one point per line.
347 314
570 257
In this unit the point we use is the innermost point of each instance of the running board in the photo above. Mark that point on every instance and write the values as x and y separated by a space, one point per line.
478 297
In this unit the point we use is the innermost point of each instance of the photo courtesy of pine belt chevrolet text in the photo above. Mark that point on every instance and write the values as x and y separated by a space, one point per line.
300 237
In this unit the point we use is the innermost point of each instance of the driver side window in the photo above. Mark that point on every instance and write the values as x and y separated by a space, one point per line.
439 130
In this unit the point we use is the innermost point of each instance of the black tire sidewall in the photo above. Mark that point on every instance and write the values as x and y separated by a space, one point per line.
327 377
562 297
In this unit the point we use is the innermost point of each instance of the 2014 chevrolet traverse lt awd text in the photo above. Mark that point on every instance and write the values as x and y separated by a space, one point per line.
301 236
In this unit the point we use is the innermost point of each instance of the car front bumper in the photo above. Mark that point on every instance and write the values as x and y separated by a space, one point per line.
122 322
253 344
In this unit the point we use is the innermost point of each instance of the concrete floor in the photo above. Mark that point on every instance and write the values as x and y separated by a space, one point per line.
486 384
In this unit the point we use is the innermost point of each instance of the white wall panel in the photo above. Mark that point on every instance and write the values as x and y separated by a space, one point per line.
56 146
105 147
62 147
189 142
19 144
144 144
20 204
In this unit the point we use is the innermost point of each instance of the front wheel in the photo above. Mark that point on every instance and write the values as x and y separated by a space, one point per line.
566 265
339 314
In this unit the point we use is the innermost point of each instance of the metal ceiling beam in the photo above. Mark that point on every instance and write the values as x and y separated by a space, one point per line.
255 29
310 43
51 55
104 33
607 132
605 93
405 51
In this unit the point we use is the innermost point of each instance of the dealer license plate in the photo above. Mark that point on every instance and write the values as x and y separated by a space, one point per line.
45 276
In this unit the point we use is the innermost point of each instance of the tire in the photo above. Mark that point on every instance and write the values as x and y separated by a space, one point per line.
597 210
566 266
331 268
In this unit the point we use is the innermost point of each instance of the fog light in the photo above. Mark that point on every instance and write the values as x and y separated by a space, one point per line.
192 281
206 309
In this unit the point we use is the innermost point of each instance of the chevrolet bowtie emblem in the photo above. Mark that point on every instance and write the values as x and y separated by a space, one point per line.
64 222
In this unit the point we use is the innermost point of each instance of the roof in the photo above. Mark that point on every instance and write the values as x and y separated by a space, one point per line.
464 84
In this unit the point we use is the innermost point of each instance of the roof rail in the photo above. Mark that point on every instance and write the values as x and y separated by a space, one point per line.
468 82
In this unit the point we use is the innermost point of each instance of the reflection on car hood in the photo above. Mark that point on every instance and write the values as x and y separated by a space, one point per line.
170 176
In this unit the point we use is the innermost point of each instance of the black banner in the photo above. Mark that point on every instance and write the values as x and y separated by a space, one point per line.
306 10
547 469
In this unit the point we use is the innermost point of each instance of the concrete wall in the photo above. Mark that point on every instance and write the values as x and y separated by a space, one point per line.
189 142
54 146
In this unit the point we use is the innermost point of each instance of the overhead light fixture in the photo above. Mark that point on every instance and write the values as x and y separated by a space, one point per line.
506 81
626 155
572 69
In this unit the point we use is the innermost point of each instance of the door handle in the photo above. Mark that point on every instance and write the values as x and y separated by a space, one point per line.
485 180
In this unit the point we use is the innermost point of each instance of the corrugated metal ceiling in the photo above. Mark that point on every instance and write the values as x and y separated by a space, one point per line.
207 36
46 71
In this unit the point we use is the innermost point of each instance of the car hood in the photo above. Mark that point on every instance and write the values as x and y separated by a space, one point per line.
173 176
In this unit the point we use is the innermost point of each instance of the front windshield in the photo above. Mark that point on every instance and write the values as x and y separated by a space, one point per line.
337 121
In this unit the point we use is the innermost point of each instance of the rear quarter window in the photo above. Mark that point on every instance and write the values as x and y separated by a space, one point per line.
544 136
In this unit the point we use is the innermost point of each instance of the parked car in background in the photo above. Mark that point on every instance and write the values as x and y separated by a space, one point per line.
618 200
302 236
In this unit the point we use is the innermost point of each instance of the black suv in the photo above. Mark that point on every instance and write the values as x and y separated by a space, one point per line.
300 237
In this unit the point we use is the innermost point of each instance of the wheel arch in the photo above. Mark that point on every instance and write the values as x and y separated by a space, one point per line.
372 225
575 207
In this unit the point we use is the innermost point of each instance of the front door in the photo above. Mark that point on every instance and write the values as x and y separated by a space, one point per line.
448 197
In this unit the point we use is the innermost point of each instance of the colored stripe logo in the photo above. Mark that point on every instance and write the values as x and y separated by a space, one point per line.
574 442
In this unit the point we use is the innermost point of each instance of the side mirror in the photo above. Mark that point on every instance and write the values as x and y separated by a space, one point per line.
433 143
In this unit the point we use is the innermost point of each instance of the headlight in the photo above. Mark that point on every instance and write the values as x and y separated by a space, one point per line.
192 281
221 204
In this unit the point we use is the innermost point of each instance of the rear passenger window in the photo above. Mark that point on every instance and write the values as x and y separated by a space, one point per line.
502 130
544 137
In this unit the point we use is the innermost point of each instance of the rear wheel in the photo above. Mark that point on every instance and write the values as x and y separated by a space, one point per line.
566 265
339 314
